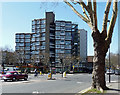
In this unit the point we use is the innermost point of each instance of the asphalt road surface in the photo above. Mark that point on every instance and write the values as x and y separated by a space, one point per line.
74 83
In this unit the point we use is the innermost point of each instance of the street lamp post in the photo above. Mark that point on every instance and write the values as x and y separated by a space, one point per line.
109 59
109 65
62 66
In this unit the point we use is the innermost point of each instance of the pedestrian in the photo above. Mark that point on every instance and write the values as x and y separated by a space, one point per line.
25 71
36 73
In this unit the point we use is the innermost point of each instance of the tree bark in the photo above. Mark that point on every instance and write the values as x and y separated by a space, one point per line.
99 61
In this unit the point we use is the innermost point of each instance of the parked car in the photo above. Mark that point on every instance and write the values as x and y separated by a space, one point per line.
110 72
117 72
14 76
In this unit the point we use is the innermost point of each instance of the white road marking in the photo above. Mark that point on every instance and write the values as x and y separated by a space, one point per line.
79 82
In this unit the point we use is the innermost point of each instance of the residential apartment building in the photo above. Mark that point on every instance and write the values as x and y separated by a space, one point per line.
50 41
82 44
64 41
23 47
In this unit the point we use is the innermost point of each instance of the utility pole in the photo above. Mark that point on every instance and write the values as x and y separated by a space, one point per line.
109 65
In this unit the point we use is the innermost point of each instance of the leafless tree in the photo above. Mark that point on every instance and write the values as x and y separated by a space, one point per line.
101 40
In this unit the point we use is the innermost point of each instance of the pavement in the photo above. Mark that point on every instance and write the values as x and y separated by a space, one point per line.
114 88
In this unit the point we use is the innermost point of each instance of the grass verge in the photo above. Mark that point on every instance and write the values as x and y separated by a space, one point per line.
92 91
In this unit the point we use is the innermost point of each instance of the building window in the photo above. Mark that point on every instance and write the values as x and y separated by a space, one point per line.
17 40
58 50
27 52
21 48
62 28
62 23
27 48
57 33
34 35
43 43
68 24
42 25
57 46
42 22
58 41
57 37
68 51
62 46
43 35
37 43
62 50
67 46
62 41
17 48
67 33
57 23
67 42
27 36
38 21
67 28
33 26
27 40
62 37
37 39
33 39
33 47
38 26
27 56
21 36
21 40
42 30
33 22
27 44
17 36
42 47
17 44
33 31
62 32
57 28
21 44
68 38
42 39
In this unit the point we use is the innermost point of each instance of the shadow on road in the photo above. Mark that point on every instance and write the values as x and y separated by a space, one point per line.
114 89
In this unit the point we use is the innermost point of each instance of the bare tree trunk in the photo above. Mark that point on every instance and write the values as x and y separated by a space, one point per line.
99 61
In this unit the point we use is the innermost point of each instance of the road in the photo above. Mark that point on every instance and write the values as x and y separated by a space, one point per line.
72 84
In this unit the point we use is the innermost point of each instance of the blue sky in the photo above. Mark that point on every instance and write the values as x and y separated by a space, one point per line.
17 18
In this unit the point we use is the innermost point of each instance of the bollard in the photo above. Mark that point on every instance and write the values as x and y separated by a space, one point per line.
49 75
64 74
40 73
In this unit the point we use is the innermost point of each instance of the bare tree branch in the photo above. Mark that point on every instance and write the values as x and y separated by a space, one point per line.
89 4
112 22
88 9
84 12
95 15
74 2
81 16
104 29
